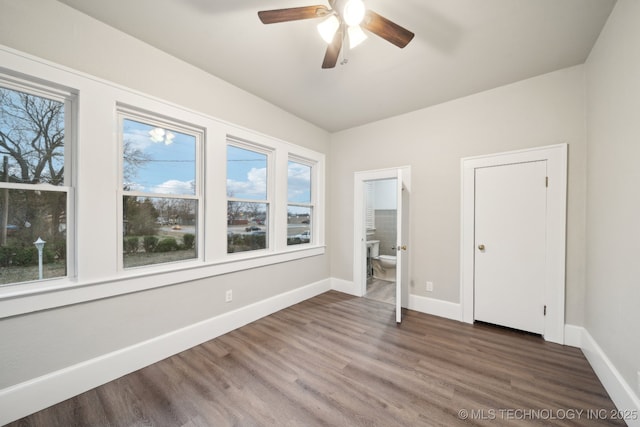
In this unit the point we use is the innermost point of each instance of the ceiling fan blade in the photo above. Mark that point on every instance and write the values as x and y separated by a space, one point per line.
388 30
292 14
333 50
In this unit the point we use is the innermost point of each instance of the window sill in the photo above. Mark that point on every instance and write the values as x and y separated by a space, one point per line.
35 296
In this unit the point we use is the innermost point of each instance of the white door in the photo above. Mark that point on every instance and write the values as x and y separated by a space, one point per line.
510 259
401 243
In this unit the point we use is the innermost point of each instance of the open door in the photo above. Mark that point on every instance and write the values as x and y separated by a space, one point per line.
402 227
402 177
400 248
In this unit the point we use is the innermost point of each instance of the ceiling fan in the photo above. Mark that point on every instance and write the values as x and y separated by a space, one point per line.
345 19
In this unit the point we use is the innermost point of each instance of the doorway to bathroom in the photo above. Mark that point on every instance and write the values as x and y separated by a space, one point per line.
381 213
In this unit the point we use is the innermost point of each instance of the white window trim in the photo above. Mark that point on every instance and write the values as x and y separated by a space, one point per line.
96 242
59 93
312 203
269 152
132 113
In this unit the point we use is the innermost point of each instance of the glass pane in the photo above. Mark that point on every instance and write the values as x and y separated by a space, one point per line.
299 183
298 225
158 230
246 174
31 138
25 216
157 160
246 226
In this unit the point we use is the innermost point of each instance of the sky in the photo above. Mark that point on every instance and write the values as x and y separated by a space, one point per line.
172 160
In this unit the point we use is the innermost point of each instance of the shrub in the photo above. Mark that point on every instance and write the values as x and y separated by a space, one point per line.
167 244
6 255
131 245
48 255
150 243
26 256
189 240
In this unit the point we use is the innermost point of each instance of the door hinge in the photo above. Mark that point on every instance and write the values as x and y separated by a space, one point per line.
546 181
545 310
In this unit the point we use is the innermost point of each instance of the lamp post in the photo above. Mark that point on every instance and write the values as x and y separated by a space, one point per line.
40 246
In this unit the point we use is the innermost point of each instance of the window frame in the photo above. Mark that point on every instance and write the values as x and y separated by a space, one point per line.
270 190
312 164
93 240
68 97
125 112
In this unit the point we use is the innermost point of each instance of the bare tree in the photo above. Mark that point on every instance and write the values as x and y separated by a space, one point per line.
134 158
32 135
32 142
235 211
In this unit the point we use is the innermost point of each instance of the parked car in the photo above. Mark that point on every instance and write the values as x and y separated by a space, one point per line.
253 228
304 237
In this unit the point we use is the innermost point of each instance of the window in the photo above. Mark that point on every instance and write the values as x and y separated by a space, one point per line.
138 220
247 199
34 182
299 207
160 191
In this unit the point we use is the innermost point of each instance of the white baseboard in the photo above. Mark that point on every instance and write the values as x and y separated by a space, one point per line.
345 286
573 335
619 390
426 305
31 396
446 309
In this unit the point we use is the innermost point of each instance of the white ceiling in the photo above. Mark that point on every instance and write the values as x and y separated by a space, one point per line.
461 47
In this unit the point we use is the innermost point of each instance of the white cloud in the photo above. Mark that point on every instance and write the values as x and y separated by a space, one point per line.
161 135
138 138
173 186
254 185
299 182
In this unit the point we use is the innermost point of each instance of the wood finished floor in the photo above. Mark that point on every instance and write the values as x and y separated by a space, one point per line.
381 290
338 360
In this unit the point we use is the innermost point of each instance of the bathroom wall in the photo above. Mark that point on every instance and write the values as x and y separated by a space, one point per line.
384 205
386 230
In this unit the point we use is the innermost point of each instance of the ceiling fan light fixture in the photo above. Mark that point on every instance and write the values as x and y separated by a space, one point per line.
356 36
328 28
353 12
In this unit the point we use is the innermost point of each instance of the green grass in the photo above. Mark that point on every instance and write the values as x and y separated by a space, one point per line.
58 269
139 259
26 274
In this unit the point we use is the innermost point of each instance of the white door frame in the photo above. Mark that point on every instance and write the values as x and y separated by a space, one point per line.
554 286
359 232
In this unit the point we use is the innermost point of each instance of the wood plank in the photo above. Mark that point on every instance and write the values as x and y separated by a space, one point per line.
340 360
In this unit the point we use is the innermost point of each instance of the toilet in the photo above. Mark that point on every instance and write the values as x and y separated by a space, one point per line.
384 267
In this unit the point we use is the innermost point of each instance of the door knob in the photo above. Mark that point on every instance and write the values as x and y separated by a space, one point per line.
481 247
403 247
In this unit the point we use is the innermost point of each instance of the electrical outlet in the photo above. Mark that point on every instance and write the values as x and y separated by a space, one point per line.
429 286
228 296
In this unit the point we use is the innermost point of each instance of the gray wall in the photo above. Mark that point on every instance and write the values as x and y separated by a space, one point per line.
544 110
43 342
613 219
